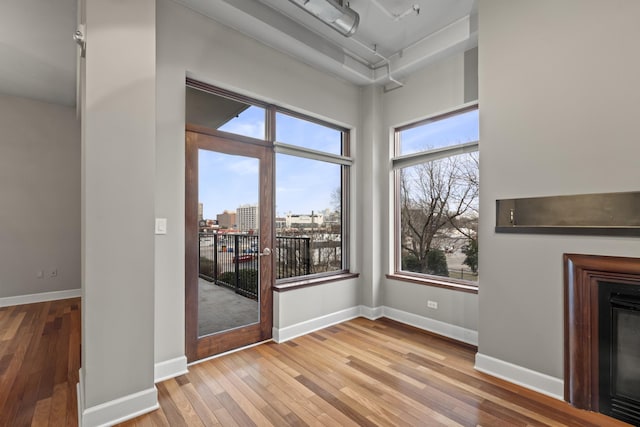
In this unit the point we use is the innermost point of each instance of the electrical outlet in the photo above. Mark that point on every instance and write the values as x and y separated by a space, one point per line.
54 272
40 274
432 304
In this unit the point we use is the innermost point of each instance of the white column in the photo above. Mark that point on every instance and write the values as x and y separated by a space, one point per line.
371 149
118 173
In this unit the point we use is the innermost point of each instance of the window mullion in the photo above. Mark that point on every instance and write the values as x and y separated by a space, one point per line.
431 155
308 153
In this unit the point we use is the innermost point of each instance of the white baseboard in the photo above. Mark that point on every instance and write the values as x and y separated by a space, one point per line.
80 397
371 313
457 333
290 332
533 380
452 331
170 368
41 297
118 410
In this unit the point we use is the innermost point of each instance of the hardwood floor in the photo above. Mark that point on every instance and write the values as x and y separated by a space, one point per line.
359 373
39 362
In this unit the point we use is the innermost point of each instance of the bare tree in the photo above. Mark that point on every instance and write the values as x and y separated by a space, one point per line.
437 198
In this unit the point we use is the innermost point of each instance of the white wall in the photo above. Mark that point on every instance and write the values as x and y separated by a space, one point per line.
40 188
118 159
435 89
189 43
306 309
559 115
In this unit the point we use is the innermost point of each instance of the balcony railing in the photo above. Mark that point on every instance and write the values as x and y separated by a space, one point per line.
231 260
293 256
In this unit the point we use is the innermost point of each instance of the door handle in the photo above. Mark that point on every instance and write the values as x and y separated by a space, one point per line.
265 251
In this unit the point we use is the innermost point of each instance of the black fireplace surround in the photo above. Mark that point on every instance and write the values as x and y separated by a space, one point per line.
619 350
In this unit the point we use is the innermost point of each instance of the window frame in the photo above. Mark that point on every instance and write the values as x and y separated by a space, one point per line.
399 162
345 162
269 139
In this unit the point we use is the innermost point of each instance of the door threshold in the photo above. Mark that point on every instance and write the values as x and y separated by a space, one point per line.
215 356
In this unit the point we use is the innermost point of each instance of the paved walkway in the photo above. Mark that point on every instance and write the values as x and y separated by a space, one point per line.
220 309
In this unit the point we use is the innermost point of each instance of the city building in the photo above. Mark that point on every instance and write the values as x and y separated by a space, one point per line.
281 222
227 220
313 220
247 216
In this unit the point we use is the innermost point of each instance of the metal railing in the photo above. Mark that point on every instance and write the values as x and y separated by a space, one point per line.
293 256
232 260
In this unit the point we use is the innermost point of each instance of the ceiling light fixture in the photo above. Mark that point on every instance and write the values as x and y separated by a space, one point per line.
334 13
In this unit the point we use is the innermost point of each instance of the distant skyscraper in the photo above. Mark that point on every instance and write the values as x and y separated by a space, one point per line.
200 211
247 216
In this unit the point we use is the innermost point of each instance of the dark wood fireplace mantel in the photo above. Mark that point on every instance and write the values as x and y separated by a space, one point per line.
582 276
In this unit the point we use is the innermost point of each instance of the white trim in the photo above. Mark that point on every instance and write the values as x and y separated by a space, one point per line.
457 333
533 380
171 368
117 410
41 297
290 332
371 313
80 396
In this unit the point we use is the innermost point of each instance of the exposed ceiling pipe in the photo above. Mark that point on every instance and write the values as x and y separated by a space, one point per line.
334 13
413 10
373 50
395 84
386 62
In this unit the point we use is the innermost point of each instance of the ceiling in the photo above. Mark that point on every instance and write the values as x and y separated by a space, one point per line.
37 52
383 49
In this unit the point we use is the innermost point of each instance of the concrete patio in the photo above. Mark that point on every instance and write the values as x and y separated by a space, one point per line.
220 309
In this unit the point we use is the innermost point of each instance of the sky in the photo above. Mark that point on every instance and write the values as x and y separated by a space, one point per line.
302 185
454 130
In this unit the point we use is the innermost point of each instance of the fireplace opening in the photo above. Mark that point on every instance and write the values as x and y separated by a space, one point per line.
619 351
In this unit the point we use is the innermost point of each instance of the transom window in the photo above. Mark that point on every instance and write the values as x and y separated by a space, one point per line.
436 198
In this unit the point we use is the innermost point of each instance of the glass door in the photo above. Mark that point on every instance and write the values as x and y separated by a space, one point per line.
229 236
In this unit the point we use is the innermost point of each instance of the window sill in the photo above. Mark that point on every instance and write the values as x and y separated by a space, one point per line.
428 281
296 283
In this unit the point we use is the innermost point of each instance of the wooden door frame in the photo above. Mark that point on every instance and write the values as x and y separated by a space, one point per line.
197 138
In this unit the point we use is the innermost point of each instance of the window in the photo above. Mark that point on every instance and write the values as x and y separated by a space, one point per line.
312 175
312 168
436 197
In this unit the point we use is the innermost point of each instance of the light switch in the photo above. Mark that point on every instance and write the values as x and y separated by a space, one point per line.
161 225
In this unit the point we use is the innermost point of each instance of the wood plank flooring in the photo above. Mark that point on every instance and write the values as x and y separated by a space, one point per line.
39 362
359 373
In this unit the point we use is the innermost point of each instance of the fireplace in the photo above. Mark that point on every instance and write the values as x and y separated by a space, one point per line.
602 335
619 350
